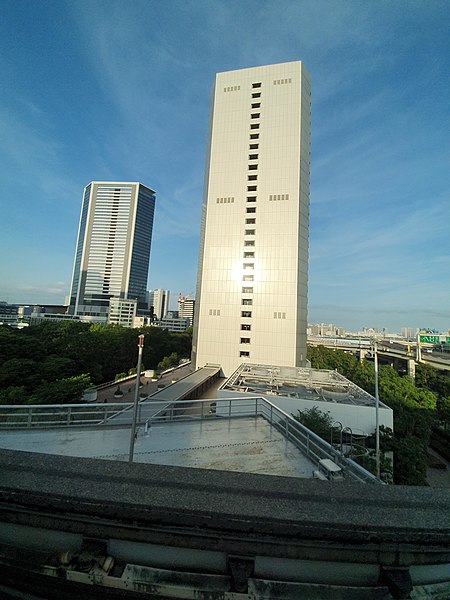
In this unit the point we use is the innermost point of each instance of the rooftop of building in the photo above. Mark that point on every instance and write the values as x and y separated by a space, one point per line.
298 382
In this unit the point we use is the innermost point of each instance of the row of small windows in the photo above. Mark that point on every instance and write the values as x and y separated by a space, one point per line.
232 88
279 197
281 81
228 200
214 312
279 315
250 221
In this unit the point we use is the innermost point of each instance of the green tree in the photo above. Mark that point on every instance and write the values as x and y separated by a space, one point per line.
14 395
62 391
169 361
321 423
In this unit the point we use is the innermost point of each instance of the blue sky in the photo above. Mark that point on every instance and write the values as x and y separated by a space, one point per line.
119 90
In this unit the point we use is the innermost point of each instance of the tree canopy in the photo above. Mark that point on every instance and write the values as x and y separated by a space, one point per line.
41 361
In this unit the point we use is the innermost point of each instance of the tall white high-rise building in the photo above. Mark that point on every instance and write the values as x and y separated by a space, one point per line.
159 299
113 247
186 308
253 259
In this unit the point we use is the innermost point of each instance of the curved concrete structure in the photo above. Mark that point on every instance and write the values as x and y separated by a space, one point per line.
182 532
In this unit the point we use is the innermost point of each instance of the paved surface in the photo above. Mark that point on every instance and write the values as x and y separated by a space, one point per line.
246 445
150 387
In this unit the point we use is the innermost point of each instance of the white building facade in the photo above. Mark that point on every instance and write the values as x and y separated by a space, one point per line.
113 247
159 299
253 259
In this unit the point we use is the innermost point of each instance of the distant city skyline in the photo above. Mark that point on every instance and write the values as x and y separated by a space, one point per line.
90 95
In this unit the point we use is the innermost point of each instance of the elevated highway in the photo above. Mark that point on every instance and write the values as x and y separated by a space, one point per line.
396 350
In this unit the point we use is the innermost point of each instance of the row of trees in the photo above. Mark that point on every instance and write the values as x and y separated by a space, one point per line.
416 407
55 362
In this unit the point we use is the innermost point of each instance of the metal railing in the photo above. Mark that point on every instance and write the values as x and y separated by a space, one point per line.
150 412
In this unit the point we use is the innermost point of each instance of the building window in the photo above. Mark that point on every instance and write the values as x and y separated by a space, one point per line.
247 290
245 327
248 266
254 146
256 105
247 301
247 314
249 255
245 340
249 232
275 197
255 115
244 354
256 95
252 177
252 167
254 126
251 198
256 85
279 315
251 209
254 136
249 243
250 221
247 278
252 156
251 188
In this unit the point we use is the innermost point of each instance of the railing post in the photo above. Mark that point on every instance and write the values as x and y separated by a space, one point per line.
69 413
202 411
256 407
229 409
30 412
271 414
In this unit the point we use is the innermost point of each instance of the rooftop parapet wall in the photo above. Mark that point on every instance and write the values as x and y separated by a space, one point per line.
293 534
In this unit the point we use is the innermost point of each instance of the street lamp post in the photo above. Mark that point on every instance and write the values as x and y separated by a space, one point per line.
136 398
377 409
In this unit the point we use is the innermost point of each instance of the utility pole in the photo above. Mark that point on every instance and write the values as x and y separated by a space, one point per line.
377 409
136 397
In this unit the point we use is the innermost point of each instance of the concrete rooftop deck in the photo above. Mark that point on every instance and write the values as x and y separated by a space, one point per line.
248 445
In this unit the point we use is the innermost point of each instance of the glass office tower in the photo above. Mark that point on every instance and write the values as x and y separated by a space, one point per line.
113 247
253 259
